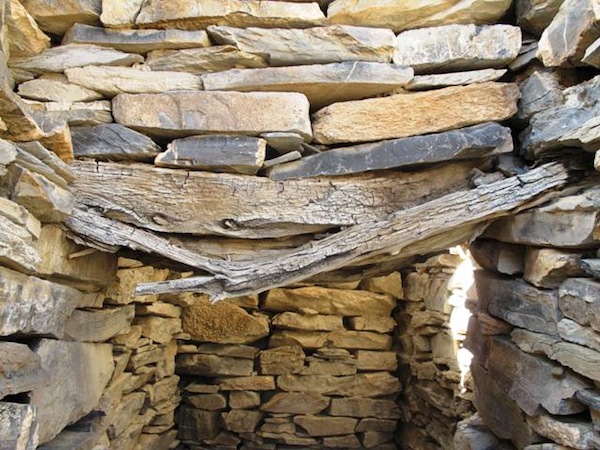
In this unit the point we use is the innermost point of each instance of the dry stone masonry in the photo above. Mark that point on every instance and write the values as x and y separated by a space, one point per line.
224 224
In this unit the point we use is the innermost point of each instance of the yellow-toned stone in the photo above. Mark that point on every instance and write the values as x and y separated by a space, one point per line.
56 17
26 38
416 113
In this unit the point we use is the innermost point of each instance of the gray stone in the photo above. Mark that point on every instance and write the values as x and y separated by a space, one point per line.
548 267
136 41
21 310
24 35
565 431
281 360
473 47
518 302
366 385
232 154
571 331
497 256
580 301
21 369
319 45
568 222
203 60
473 142
244 400
364 407
78 374
63 57
440 80
535 15
572 30
112 142
18 426
179 114
581 359
540 91
208 402
296 403
213 365
322 84
76 113
573 123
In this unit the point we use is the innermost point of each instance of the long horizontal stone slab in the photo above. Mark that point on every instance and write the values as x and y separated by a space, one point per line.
135 41
188 113
322 84
111 81
473 142
21 369
319 45
473 47
235 154
237 13
203 60
416 113
407 14
440 80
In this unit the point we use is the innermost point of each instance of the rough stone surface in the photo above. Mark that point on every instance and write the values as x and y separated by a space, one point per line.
214 366
222 323
313 322
189 113
497 256
548 268
21 369
244 399
56 89
579 298
99 325
535 15
296 403
413 114
326 426
540 91
18 426
473 47
376 360
564 431
136 41
281 360
57 17
330 301
365 385
58 59
364 407
241 421
196 424
159 329
472 142
203 60
346 339
320 45
253 383
572 30
322 84
377 324
112 142
440 80
571 331
26 38
111 81
78 374
234 154
406 14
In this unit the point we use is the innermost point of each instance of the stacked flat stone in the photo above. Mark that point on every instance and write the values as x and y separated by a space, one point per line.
306 366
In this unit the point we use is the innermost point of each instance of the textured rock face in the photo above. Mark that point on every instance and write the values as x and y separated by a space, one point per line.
18 426
413 114
322 84
406 14
26 38
57 17
187 113
473 47
319 45
535 15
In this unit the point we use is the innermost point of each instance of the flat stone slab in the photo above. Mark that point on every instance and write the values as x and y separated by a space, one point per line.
322 84
111 81
188 113
233 154
296 403
203 60
112 142
407 14
580 301
18 426
413 114
136 41
440 80
21 369
319 45
58 59
52 88
473 142
473 47
25 36
57 17
365 407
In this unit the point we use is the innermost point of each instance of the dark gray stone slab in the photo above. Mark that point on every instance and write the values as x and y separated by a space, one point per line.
136 41
236 154
472 142
519 303
112 142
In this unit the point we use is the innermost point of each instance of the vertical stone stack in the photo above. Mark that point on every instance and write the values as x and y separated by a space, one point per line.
433 363
313 367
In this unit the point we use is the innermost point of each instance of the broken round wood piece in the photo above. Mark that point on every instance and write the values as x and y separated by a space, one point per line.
473 47
319 45
416 113
135 41
112 142
58 59
478 141
322 84
111 81
179 114
440 80
234 154
406 14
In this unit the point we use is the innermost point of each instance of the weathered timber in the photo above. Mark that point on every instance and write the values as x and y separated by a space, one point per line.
166 200
368 239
